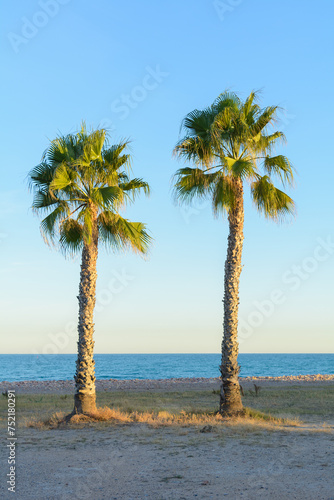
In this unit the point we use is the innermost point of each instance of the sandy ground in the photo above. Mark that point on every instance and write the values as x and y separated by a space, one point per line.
125 462
139 462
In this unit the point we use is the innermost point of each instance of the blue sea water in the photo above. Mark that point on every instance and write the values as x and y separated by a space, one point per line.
16 367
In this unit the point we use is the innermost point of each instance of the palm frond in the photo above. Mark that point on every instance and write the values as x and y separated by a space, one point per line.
134 186
121 233
243 169
226 100
196 150
250 107
272 202
41 176
62 177
198 123
71 236
192 182
267 116
266 142
80 176
106 197
231 138
86 219
50 224
223 195
44 200
279 166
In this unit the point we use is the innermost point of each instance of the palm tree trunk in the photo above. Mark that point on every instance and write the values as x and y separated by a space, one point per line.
85 397
230 398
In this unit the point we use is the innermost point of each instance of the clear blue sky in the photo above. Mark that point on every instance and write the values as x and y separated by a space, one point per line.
139 68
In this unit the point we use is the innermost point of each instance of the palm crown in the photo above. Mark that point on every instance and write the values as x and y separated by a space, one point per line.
229 142
82 183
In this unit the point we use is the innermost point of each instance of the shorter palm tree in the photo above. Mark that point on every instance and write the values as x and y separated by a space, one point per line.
230 145
82 184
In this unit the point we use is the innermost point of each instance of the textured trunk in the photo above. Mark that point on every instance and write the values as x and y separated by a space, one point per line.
230 399
85 398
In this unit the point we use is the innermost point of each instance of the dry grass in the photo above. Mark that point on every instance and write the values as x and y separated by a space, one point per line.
271 408
250 418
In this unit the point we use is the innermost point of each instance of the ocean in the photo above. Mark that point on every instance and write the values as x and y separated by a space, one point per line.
17 367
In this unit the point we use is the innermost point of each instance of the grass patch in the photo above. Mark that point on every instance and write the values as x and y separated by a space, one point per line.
161 419
166 479
272 406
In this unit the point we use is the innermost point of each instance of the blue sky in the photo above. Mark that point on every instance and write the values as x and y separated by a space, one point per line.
139 68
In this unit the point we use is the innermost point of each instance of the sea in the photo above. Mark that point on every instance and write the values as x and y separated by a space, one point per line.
18 367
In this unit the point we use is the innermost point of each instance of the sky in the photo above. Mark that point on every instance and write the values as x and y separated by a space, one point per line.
138 68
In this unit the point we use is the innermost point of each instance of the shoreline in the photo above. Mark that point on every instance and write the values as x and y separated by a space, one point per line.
163 385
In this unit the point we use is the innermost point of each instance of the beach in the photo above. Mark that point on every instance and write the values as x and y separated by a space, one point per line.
125 461
172 384
139 462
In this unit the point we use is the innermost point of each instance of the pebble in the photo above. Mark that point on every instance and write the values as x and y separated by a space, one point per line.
67 386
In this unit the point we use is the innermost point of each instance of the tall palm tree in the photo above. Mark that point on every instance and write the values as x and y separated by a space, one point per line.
230 144
82 183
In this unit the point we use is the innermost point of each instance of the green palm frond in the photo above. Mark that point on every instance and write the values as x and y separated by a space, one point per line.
120 233
51 223
114 158
279 166
267 116
223 195
265 141
195 149
44 200
92 148
71 236
192 182
63 177
40 176
269 200
86 219
250 108
198 123
224 127
135 186
107 196
230 140
242 169
81 176
226 100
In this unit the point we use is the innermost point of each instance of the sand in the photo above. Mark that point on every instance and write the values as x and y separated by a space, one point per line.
125 462
139 462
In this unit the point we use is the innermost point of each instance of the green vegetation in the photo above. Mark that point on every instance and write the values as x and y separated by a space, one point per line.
309 404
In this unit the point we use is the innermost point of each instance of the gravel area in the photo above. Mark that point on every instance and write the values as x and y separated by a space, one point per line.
176 384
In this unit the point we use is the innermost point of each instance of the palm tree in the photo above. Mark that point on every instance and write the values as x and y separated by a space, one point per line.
229 144
81 183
